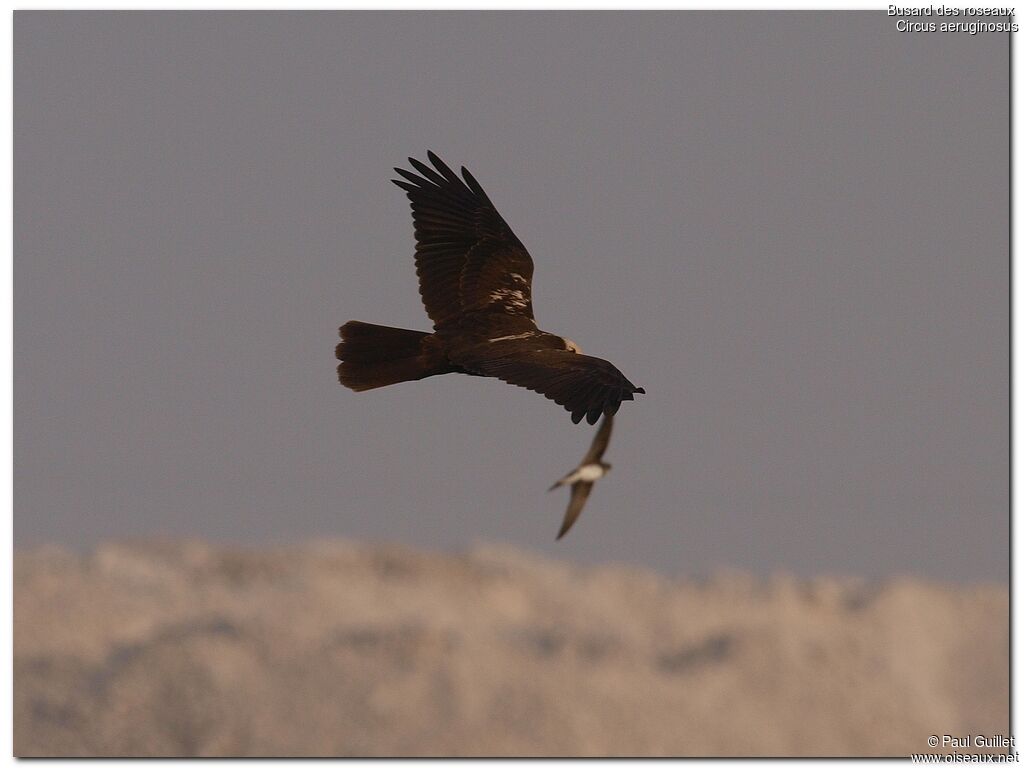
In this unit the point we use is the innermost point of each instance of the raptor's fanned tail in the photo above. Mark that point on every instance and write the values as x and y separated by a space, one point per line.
377 356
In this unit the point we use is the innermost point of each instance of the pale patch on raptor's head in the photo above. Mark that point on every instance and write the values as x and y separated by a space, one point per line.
572 346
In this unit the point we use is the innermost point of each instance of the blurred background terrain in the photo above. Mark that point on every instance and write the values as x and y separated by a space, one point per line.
335 648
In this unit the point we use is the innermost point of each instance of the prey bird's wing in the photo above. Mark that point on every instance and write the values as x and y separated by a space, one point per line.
583 385
469 262
600 443
580 492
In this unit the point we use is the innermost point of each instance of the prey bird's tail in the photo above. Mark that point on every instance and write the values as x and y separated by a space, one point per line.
560 482
375 356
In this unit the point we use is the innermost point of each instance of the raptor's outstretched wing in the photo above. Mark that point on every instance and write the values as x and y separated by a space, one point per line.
584 385
468 260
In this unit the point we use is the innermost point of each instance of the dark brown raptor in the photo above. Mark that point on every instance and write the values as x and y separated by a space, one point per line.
475 277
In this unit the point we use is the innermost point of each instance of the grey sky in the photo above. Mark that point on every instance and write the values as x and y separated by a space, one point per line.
790 228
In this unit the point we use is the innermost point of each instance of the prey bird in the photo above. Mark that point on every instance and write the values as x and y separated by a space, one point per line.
582 479
475 281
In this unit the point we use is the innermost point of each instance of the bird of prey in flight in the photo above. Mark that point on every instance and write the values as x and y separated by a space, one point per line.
582 479
475 277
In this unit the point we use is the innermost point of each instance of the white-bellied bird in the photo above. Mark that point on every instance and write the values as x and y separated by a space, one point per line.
582 479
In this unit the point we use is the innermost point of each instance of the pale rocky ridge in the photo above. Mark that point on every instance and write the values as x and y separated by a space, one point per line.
337 648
